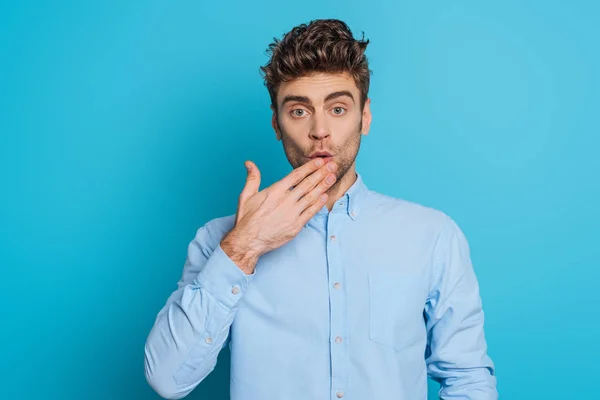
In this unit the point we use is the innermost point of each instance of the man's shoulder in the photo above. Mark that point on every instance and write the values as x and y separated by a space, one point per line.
401 212
403 207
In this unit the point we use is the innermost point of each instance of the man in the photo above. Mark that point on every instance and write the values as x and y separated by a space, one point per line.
322 288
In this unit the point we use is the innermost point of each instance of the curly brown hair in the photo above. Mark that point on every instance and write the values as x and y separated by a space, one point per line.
325 45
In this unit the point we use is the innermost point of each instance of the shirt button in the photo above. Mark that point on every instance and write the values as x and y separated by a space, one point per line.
353 213
339 395
338 339
208 340
332 237
235 290
337 285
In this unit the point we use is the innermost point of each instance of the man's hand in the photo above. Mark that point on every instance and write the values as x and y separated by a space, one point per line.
270 218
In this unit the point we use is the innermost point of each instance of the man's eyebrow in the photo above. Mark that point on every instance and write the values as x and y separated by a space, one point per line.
341 93
306 100
300 99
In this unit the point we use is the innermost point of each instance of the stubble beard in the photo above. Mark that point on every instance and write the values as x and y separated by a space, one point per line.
296 157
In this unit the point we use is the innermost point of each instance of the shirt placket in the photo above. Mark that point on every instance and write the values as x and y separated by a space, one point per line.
338 336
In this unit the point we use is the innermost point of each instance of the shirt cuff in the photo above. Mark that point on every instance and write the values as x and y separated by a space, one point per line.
223 279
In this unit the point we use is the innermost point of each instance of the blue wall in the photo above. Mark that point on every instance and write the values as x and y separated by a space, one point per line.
124 126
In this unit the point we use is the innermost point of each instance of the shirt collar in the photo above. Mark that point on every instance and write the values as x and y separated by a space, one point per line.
352 201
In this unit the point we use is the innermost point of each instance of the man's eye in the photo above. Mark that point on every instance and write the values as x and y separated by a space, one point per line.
298 112
338 110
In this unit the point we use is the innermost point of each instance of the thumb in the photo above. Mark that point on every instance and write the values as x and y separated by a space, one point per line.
252 180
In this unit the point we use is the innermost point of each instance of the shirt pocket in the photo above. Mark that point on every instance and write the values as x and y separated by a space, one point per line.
396 304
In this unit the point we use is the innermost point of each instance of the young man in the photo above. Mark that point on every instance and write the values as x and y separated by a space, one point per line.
322 288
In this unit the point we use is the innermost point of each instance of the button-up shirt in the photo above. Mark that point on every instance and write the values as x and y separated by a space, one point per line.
365 303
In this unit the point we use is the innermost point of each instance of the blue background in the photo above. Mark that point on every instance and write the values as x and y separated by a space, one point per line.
124 127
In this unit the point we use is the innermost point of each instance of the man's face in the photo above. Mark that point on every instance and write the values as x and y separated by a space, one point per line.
321 113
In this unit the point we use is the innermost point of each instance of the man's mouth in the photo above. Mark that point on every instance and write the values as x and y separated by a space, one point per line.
321 154
325 158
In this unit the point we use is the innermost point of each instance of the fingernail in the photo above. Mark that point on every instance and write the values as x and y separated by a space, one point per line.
319 162
331 166
330 179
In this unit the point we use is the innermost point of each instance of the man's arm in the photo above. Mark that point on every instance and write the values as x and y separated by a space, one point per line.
457 353
193 326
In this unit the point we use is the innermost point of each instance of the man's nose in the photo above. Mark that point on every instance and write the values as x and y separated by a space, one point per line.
320 129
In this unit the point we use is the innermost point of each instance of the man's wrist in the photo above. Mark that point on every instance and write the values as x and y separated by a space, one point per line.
240 252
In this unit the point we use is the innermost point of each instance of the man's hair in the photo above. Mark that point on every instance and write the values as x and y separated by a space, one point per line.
325 45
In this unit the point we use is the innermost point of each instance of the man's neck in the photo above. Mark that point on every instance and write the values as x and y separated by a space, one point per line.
341 187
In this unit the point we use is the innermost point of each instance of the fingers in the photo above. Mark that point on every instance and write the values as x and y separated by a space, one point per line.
297 175
314 194
313 180
314 208
252 181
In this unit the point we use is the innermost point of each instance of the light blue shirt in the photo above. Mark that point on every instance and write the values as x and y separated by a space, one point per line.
363 304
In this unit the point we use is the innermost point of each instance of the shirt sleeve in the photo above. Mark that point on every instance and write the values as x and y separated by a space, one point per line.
457 351
193 326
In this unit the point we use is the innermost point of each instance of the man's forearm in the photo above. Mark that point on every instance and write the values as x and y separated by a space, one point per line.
192 327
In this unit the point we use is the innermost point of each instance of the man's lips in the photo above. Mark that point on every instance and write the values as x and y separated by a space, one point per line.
320 154
326 158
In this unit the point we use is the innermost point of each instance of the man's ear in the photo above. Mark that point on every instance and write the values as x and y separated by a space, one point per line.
366 117
275 124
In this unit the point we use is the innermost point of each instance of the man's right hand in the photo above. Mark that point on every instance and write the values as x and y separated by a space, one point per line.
270 218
